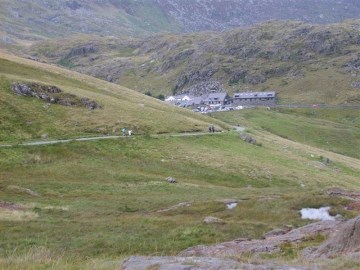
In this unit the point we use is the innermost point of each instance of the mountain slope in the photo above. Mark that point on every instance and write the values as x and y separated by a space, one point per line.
33 20
304 63
30 118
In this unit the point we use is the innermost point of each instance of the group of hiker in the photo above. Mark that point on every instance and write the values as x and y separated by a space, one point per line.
211 129
126 132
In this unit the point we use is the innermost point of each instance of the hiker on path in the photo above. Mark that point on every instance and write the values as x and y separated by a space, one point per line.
210 129
130 132
213 128
124 131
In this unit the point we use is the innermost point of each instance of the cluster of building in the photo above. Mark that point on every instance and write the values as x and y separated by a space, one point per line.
214 100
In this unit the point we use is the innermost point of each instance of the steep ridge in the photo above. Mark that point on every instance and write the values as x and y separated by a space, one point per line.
33 20
304 63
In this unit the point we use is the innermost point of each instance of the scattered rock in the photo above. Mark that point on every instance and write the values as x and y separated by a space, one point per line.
326 161
248 138
338 192
11 206
174 207
171 180
213 220
353 206
356 84
18 189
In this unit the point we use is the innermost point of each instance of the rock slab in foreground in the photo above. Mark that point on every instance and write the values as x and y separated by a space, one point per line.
344 241
271 244
193 263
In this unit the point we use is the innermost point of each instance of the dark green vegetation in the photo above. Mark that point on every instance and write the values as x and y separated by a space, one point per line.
336 130
304 63
99 200
25 118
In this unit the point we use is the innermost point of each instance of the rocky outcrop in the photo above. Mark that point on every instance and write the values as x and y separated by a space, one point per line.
52 95
267 245
204 88
344 241
194 77
82 50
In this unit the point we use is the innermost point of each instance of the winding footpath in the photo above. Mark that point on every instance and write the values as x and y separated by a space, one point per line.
84 139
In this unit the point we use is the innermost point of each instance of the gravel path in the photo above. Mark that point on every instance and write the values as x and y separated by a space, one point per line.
83 139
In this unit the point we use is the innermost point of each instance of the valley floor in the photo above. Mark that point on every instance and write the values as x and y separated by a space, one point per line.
63 204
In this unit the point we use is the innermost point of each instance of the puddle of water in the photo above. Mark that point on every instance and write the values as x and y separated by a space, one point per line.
231 205
316 214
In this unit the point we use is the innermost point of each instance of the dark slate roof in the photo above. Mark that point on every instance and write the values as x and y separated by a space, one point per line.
255 94
216 97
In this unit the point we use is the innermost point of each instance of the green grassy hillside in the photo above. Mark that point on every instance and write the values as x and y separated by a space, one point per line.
336 130
24 118
90 204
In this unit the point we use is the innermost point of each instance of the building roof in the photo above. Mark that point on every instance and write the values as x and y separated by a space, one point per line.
216 97
198 100
255 94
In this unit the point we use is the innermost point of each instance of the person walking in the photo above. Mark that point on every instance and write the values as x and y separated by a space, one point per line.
124 131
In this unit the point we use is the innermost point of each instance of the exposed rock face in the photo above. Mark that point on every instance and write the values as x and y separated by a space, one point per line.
346 240
204 88
83 50
271 244
52 94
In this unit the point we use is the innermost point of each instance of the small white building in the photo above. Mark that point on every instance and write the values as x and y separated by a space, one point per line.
170 99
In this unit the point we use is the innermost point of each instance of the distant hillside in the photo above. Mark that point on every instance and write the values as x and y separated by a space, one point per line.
24 118
37 19
304 63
